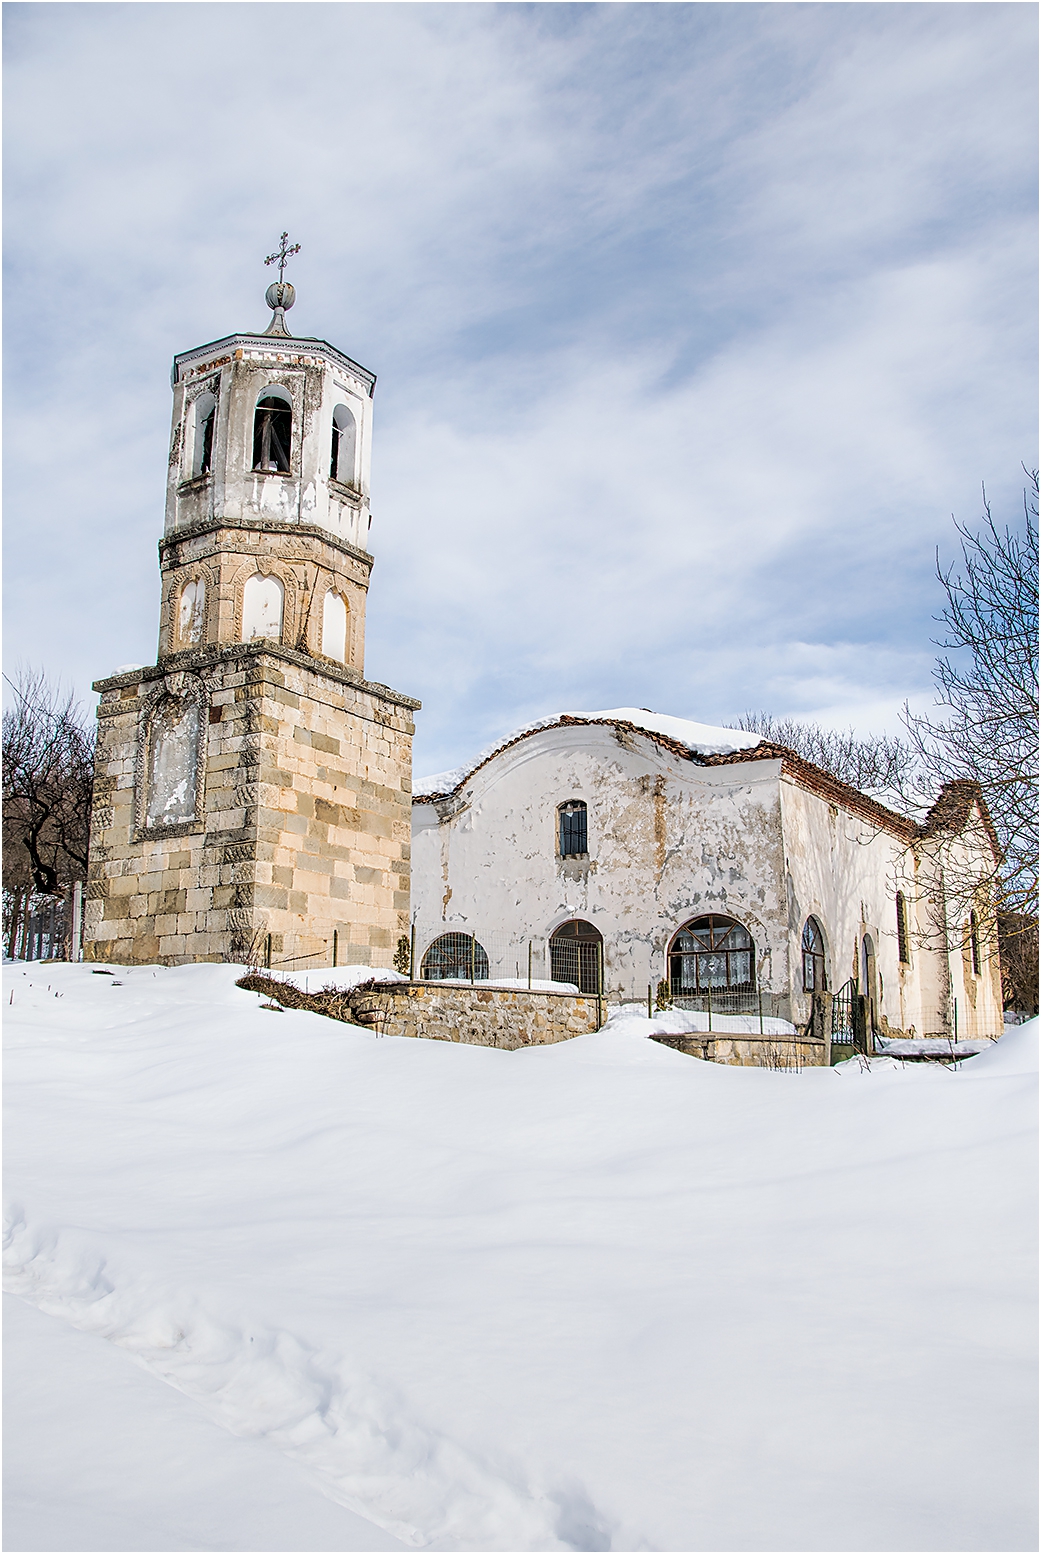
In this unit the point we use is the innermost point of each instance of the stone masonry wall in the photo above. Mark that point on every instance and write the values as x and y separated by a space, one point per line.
304 822
479 1016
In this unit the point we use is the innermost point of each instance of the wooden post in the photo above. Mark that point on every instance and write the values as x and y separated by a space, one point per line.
760 992
412 954
335 945
529 965
650 1006
267 954
710 1005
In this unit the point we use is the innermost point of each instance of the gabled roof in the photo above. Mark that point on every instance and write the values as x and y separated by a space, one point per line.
708 746
680 735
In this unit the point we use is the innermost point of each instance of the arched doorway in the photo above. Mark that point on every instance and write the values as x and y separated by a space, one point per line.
712 953
575 951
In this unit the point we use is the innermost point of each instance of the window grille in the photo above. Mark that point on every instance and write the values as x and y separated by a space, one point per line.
574 837
455 957
813 976
903 949
575 951
712 952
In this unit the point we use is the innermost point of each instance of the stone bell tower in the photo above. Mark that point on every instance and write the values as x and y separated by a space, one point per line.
252 789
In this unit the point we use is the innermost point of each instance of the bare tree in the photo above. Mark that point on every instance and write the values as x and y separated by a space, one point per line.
882 764
985 726
48 773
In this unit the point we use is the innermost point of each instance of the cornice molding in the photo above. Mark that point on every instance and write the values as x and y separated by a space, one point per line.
264 526
200 659
275 347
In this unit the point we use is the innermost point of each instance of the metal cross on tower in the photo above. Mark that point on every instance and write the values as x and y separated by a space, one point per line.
282 255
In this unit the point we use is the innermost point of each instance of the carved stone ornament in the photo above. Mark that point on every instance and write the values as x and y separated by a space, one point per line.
170 769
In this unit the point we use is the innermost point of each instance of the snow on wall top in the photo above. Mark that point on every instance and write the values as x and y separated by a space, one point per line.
698 738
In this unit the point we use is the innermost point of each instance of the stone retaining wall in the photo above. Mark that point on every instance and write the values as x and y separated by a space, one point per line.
479 1016
785 1052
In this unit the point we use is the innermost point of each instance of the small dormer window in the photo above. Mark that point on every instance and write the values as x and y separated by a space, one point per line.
574 836
273 432
205 421
344 443
974 944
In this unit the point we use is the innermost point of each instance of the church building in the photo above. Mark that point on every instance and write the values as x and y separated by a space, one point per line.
252 788
626 849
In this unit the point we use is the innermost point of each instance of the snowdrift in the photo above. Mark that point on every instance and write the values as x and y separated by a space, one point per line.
588 1296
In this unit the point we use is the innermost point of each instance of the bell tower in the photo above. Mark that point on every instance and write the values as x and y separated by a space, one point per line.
252 789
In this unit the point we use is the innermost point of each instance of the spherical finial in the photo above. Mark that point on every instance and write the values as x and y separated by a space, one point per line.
280 294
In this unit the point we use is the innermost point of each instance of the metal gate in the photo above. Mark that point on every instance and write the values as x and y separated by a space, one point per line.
849 1022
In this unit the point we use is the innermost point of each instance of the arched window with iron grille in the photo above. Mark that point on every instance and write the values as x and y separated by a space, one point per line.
455 957
576 955
903 939
814 979
714 953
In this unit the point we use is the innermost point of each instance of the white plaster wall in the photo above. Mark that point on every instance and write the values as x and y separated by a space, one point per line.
316 383
668 840
979 995
846 872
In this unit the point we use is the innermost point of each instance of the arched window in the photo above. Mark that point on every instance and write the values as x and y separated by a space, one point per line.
974 944
262 600
575 955
334 627
345 440
573 831
813 977
455 957
903 938
202 443
712 952
868 968
190 611
273 431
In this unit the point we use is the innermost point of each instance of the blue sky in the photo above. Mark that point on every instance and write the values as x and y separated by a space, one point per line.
693 326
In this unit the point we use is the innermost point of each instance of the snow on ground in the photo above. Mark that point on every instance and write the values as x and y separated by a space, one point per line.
99 1455
677 1022
594 1295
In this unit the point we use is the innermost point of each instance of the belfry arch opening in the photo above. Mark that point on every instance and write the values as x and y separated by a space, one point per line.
202 435
273 432
344 446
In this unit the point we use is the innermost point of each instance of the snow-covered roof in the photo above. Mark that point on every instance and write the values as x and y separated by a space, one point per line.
697 738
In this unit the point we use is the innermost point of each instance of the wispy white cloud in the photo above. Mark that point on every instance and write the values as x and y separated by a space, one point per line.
693 324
